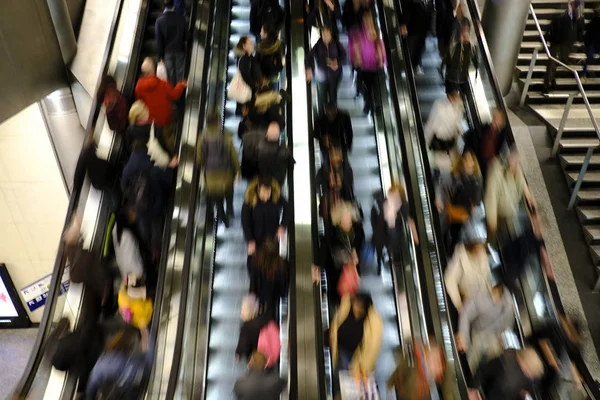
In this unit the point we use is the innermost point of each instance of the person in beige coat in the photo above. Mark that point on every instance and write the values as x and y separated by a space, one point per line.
355 335
218 161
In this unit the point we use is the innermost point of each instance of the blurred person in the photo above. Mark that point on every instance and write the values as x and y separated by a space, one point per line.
252 323
140 126
265 213
353 12
171 34
101 173
333 127
115 106
464 192
592 41
356 332
468 272
458 61
78 351
218 160
563 31
327 55
324 13
415 22
270 54
263 154
248 65
266 13
367 55
246 124
487 142
128 253
342 246
389 216
335 181
505 188
145 190
121 369
159 96
442 131
269 276
258 383
413 382
445 17
483 319
511 376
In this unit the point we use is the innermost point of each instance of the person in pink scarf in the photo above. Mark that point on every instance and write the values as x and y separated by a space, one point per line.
367 55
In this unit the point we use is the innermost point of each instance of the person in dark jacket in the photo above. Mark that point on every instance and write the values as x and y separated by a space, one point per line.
115 106
258 383
333 127
265 213
487 142
415 21
324 13
509 377
335 181
248 64
592 40
444 24
252 324
270 54
101 173
264 155
78 351
564 30
459 60
171 32
328 55
269 276
266 12
120 370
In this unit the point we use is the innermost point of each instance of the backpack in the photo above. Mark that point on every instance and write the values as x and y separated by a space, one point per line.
138 193
214 155
269 343
116 110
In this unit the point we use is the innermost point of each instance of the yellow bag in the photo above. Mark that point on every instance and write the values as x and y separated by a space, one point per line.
135 311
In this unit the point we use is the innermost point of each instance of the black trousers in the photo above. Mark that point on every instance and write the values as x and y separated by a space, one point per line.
416 47
328 89
369 88
220 202
560 51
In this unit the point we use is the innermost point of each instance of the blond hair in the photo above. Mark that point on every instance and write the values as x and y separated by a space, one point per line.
138 112
342 208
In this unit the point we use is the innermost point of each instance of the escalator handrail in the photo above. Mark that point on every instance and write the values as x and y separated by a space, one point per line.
579 362
37 353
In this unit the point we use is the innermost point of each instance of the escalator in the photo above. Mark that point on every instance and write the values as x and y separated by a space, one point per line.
218 278
131 39
377 161
534 302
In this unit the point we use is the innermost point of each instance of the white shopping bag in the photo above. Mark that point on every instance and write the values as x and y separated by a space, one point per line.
350 389
161 71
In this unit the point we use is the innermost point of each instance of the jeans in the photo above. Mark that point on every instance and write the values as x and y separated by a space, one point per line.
328 89
175 63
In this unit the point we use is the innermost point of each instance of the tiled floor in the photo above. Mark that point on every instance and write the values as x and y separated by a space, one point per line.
15 347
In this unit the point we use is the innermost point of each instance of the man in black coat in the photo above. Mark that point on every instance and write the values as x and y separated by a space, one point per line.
171 33
592 40
264 154
562 33
333 128
415 21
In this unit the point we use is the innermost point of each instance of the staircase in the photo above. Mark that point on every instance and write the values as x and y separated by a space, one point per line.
579 133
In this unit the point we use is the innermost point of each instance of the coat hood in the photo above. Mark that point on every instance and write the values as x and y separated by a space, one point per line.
268 46
148 83
251 197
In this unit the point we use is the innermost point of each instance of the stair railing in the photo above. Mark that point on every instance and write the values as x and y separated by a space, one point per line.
565 116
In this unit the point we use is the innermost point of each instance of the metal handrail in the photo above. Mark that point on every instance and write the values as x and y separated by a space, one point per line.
561 129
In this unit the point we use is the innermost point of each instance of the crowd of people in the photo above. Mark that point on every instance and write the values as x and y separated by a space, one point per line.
479 191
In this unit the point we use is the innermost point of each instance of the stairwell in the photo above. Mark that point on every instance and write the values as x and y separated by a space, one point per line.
579 133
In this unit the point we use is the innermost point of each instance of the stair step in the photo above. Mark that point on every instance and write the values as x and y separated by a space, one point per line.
576 160
590 177
578 143
592 234
595 253
588 214
588 196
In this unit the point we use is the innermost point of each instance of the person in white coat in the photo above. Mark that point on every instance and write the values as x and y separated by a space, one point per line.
443 130
127 250
468 272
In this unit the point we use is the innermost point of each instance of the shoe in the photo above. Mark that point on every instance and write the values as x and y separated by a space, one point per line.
419 71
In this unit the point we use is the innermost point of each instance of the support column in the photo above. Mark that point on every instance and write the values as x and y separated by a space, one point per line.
63 27
503 23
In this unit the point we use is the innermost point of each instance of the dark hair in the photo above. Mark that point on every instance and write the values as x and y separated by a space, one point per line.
107 81
366 299
268 259
265 180
169 3
270 31
242 42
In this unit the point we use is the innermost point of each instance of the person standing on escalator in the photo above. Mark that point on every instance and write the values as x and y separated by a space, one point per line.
459 60
325 13
415 22
333 128
171 33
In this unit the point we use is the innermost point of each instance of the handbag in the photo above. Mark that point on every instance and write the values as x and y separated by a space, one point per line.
157 154
456 214
238 89
161 71
349 280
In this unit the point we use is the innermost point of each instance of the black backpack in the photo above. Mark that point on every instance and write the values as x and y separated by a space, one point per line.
138 194
215 155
